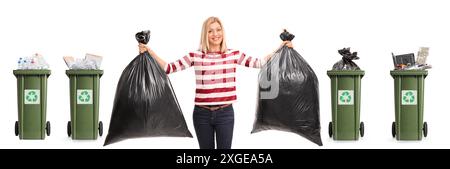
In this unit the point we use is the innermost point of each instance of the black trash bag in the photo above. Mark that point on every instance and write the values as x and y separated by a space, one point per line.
145 104
296 107
143 36
347 60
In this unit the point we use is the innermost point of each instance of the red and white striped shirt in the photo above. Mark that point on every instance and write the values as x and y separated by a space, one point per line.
214 74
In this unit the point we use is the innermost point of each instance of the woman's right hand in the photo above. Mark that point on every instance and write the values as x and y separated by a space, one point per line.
143 48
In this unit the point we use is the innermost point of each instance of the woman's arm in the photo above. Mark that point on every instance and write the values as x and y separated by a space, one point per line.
178 65
285 43
160 61
144 48
249 61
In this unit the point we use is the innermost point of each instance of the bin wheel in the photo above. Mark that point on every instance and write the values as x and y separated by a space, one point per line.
47 128
425 129
361 129
393 129
100 128
69 128
16 128
330 129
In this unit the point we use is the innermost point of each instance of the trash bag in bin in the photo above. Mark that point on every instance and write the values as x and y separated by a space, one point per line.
347 60
296 106
145 104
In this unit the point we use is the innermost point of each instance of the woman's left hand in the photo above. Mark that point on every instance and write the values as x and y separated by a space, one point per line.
284 43
143 48
288 44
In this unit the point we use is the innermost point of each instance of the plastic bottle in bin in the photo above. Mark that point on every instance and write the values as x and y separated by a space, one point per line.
26 65
35 62
20 63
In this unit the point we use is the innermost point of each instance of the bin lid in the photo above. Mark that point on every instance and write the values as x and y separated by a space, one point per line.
31 72
84 72
345 73
409 73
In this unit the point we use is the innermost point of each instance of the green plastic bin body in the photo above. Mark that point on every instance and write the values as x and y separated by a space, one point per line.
345 102
84 103
409 90
32 103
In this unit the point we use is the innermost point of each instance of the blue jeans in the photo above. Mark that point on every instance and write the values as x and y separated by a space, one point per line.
217 123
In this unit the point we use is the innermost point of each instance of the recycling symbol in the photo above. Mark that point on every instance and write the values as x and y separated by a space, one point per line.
409 97
31 96
345 97
84 96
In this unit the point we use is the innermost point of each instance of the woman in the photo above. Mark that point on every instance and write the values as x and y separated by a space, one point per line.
215 67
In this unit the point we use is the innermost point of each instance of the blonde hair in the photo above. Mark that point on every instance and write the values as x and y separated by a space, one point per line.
204 42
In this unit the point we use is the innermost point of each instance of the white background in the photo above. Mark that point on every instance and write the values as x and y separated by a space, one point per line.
372 28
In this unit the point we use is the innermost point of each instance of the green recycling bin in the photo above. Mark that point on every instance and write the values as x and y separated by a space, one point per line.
84 104
409 95
345 103
32 104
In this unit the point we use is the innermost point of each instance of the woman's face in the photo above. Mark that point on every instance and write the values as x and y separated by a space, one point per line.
215 34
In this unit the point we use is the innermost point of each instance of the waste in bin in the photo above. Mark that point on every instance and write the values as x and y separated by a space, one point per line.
84 104
345 102
32 104
409 96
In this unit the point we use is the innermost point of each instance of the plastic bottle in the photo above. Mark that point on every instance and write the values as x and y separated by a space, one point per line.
40 61
25 64
20 63
33 63
28 63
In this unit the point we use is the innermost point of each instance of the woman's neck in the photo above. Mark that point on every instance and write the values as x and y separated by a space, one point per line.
214 48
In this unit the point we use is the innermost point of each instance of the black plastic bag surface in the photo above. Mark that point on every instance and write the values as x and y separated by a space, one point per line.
145 104
143 36
347 60
296 107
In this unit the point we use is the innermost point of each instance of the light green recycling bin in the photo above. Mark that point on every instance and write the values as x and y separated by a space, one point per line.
32 104
409 95
345 102
84 104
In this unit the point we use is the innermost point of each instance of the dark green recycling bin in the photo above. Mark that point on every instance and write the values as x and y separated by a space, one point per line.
84 104
32 104
409 95
345 102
